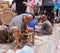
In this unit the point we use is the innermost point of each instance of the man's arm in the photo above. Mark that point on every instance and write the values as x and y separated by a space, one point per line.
28 4
14 4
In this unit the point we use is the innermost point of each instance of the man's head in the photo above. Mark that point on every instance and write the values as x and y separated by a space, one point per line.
27 18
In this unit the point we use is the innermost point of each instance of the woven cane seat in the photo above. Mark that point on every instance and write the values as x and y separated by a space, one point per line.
7 17
29 38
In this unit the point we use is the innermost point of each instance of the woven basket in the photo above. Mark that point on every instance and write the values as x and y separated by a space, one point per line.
6 9
0 19
7 4
0 10
2 6
7 17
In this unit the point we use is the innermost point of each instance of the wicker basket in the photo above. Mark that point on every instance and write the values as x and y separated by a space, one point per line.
6 9
7 17
2 6
0 18
7 4
0 10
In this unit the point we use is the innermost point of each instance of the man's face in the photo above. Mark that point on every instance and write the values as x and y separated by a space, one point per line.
31 18
26 21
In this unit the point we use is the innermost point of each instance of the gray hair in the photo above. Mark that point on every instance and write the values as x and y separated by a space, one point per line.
27 16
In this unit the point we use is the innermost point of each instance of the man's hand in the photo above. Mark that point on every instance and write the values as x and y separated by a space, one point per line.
24 2
30 29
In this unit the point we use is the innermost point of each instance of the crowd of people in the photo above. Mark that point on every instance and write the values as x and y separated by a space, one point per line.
29 15
32 15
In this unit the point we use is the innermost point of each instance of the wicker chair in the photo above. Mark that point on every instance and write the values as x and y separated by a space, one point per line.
7 16
2 6
6 9
7 4
28 38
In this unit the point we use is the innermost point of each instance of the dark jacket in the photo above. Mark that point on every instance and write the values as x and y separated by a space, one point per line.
20 7
47 2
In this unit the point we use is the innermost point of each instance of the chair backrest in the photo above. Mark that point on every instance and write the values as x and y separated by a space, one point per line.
7 16
6 9
7 4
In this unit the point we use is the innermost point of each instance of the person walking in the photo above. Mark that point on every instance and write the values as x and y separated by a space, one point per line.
19 7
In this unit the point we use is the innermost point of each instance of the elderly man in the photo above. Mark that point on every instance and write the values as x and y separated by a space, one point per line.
18 26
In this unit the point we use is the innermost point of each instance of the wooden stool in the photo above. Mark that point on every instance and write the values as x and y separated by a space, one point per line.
30 37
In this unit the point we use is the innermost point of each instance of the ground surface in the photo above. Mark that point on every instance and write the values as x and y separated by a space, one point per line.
49 44
43 44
